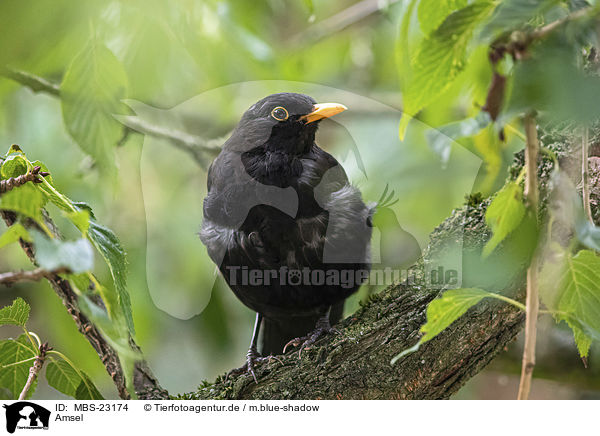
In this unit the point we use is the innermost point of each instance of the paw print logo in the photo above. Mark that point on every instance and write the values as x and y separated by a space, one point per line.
294 277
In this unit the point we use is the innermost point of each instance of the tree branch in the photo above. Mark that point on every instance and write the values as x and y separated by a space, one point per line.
145 384
585 174
533 301
340 21
35 369
356 363
36 275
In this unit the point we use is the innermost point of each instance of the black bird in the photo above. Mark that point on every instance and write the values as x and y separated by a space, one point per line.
288 232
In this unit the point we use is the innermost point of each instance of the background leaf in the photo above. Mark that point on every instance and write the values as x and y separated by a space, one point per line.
440 58
13 234
432 13
17 313
91 91
52 254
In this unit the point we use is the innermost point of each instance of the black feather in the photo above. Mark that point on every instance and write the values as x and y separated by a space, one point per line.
275 199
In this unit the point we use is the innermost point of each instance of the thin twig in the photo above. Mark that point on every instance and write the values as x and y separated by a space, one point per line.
532 301
33 82
202 150
339 21
35 369
14 182
585 176
550 27
518 46
35 275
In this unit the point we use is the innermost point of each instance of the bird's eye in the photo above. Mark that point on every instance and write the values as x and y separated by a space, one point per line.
280 113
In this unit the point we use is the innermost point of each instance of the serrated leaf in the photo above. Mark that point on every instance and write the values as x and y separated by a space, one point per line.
81 205
64 378
26 200
13 375
582 340
16 314
13 234
504 214
432 13
91 93
53 254
443 311
570 288
440 58
114 330
109 246
579 289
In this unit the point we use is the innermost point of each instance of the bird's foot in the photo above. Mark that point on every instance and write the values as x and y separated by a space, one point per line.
252 358
305 342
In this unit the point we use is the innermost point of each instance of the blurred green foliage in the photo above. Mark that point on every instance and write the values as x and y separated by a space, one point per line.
195 66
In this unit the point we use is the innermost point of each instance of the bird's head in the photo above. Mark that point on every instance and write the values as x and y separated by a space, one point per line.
284 122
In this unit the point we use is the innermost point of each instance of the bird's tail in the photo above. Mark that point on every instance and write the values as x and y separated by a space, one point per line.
278 332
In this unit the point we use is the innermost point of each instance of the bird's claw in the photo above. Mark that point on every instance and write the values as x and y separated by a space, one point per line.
305 342
252 358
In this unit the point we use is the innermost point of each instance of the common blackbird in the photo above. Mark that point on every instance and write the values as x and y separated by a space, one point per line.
289 233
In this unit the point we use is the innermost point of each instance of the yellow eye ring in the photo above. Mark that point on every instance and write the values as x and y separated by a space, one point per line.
280 113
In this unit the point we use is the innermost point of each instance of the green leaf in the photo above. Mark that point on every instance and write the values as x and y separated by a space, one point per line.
440 139
514 14
504 214
26 200
579 289
17 313
109 246
443 311
91 93
14 166
13 370
432 13
440 58
81 220
13 234
582 340
52 254
66 379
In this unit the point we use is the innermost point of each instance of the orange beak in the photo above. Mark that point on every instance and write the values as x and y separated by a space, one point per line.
323 110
